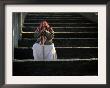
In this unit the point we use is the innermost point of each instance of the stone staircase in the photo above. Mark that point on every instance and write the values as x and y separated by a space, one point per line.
76 37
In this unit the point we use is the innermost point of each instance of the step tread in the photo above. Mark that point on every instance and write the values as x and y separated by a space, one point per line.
63 38
63 42
29 60
61 47
63 53
59 21
32 29
64 23
66 35
56 19
56 68
63 32
54 16
62 27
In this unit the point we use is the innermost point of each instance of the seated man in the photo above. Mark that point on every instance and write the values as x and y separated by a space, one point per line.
44 49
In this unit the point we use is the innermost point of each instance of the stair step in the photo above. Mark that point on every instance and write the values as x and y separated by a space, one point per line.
63 53
55 14
32 60
65 35
66 29
55 20
55 68
62 25
65 42
53 17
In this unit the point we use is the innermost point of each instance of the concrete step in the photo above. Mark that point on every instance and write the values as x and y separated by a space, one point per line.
53 17
56 68
63 42
63 24
62 52
56 14
56 20
65 29
28 60
65 35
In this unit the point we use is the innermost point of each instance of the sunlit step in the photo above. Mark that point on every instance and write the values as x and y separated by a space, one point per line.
28 60
62 47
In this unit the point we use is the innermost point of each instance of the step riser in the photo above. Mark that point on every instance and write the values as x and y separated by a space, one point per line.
53 17
62 25
63 53
29 29
55 21
74 68
65 35
63 43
